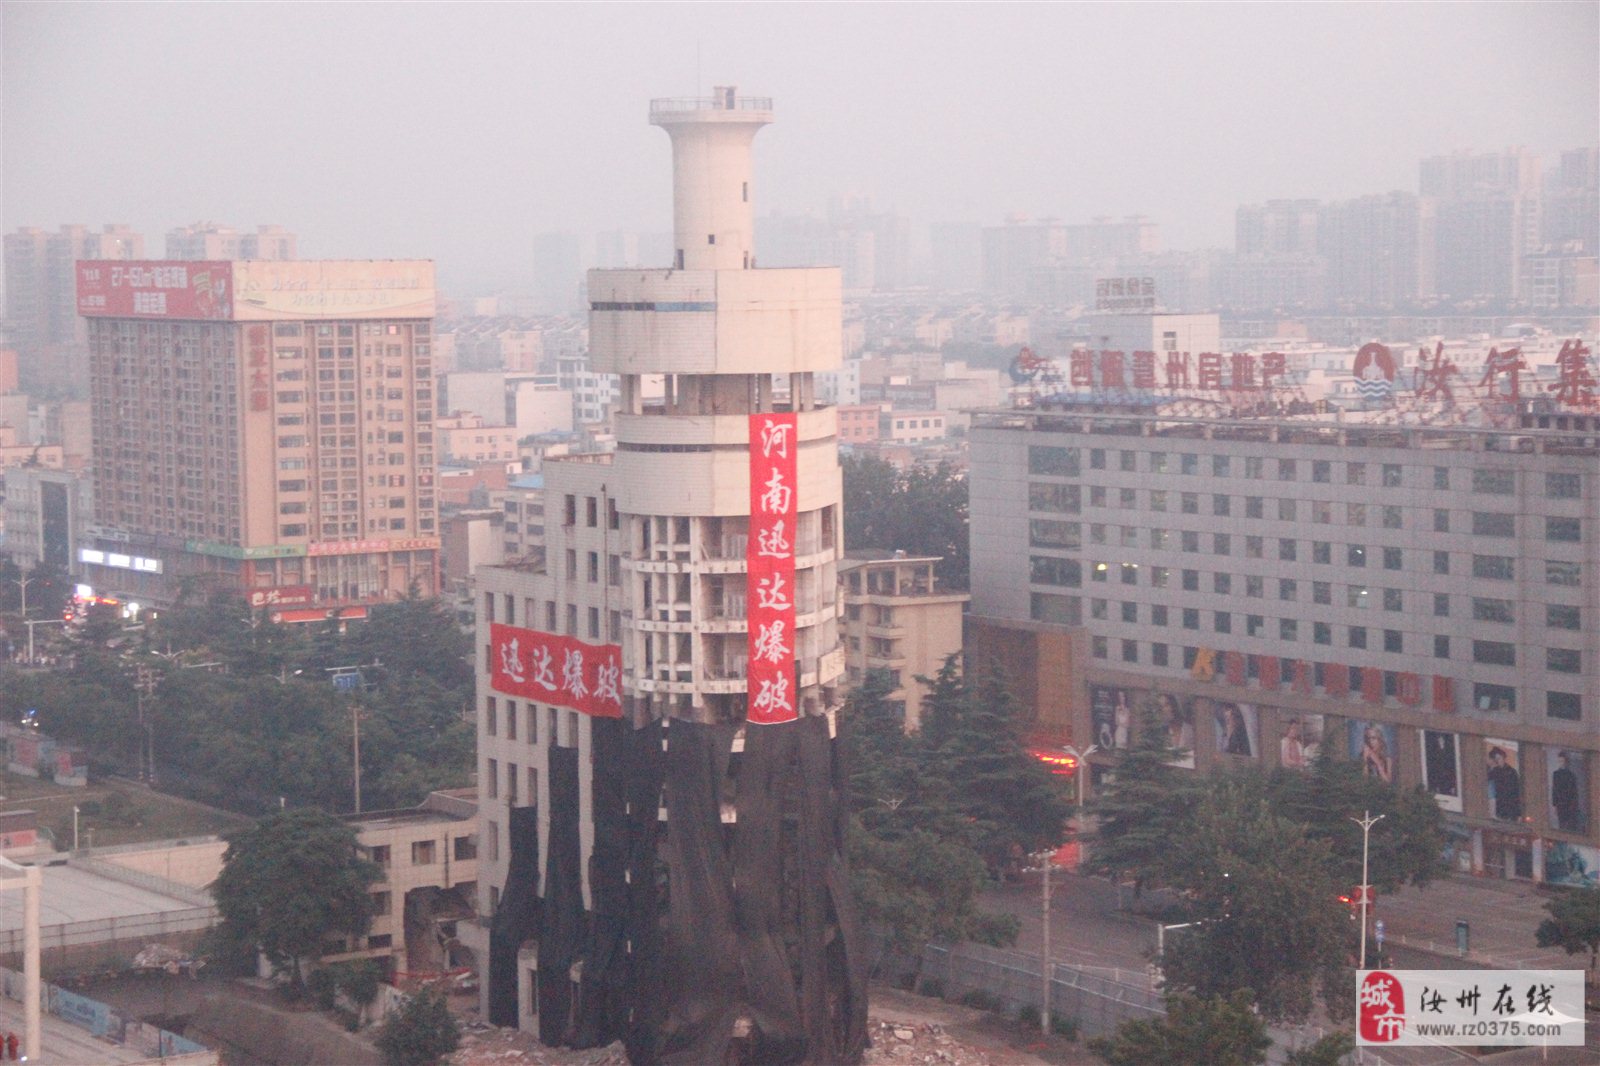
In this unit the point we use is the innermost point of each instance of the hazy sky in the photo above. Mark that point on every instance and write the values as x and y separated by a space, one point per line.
457 131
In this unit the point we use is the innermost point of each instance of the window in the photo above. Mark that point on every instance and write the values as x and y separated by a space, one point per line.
1098 571
1493 524
1098 648
1393 641
1441 562
1567 529
1222 584
1494 652
1287 510
1253 547
1189 463
1568 706
1563 660
1561 616
1130 613
1158 655
1358 637
1254 624
1219 505
1097 495
1494 567
1253 507
1159 576
1255 468
1392 517
1058 462
1221 544
380 855
1097 533
1158 462
1563 486
1063 609
1191 540
1130 651
1191 581
1356 596
1158 500
1219 466
1126 461
1487 697
1321 471
1490 610
1288 589
1056 499
1441 647
1393 600
1189 502
1288 629
1494 482
491 712
1286 469
1158 614
1322 592
1287 549
1222 622
1161 539
1321 551
1557 572
1191 618
1042 533
1255 586
1321 633
1441 605
1391 475
1097 459
422 853
1127 499
1441 520
1391 559
380 903
1441 477
1099 609
1355 473
1130 572
1356 555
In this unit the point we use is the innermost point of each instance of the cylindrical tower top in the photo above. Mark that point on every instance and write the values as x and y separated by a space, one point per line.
713 221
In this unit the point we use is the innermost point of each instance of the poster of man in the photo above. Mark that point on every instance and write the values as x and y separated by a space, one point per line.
1569 789
1301 742
1504 774
1372 744
1111 710
1237 729
1441 767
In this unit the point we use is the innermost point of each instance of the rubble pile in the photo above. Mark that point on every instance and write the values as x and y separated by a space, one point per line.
901 1043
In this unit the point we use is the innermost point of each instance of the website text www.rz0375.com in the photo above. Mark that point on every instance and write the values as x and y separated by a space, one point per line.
1489 1028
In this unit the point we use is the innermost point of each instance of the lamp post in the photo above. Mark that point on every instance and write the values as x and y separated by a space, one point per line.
1366 822
1044 890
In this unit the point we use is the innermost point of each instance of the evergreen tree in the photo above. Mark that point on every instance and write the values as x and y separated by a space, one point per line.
1211 1031
420 1033
1144 811
1574 925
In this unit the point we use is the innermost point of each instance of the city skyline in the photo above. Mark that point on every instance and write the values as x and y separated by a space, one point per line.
490 135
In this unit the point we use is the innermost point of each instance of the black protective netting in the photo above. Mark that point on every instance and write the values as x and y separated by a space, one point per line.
561 926
517 917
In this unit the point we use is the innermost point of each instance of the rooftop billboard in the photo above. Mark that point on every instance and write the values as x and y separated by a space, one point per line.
256 290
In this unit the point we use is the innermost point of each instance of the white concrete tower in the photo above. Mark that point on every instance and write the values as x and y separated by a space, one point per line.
728 342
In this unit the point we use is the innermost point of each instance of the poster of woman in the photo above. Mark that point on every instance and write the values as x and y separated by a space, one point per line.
1441 767
1111 713
1236 725
1179 721
1372 744
1301 742
1503 773
1569 789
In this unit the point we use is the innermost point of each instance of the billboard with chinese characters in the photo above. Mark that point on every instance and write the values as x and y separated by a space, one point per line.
1125 294
265 290
557 670
155 289
1145 371
281 596
770 604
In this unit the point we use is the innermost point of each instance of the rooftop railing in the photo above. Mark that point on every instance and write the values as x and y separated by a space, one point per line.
710 103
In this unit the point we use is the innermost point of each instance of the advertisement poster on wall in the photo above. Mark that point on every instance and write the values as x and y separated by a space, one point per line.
1372 744
1569 789
1441 767
1302 740
1111 710
1237 728
1179 722
1503 773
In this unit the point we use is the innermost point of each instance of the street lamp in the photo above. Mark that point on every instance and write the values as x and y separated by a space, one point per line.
1366 822
1079 769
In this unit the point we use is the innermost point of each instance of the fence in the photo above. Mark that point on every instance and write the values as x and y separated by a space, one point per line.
76 945
103 1021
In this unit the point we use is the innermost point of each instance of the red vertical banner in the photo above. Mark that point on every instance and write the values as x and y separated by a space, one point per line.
770 591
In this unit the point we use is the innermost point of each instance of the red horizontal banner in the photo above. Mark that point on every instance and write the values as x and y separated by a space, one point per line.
555 669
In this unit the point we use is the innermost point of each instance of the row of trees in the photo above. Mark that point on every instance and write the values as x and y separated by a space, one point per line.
1258 861
922 511
940 812
240 711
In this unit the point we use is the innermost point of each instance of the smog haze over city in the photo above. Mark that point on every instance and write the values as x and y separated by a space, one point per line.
458 132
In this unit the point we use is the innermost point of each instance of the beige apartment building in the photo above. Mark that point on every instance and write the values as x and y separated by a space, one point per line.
265 426
898 620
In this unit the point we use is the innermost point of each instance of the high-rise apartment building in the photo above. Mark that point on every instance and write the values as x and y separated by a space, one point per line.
209 240
656 696
1487 218
42 321
1378 250
1418 599
1277 227
264 426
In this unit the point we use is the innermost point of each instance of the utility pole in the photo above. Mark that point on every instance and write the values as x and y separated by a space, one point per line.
145 683
355 743
1044 951
1366 822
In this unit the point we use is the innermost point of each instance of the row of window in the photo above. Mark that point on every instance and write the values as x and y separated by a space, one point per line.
1486 696
591 631
1060 461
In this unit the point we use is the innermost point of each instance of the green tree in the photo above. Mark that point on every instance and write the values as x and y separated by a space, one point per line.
1144 811
1263 902
1573 925
1210 1031
290 883
922 511
420 1033
919 888
1329 1049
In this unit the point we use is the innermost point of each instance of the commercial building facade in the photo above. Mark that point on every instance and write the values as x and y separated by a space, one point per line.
263 426
1420 599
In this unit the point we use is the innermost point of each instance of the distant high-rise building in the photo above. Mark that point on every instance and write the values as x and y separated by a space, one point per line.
1572 202
41 311
263 426
1486 220
956 254
209 240
1379 250
1277 227
1018 255
557 273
